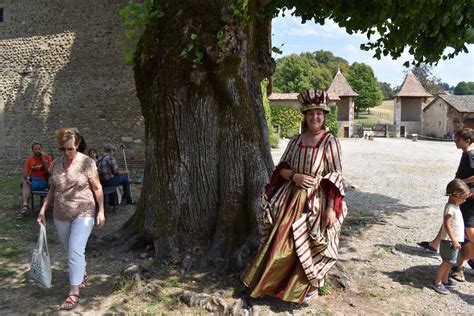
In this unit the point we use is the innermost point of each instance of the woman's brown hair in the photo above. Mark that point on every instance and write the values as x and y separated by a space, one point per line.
65 134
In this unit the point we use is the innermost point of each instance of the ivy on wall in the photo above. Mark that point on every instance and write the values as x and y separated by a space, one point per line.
331 120
288 118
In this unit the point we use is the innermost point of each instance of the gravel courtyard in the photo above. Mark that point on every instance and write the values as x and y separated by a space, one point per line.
395 196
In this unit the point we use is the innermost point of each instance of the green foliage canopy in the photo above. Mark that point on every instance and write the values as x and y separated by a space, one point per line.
387 90
464 88
426 27
362 80
294 73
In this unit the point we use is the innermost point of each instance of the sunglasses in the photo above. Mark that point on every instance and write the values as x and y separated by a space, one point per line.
67 149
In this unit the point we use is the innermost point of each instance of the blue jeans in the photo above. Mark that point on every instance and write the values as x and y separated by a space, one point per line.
122 180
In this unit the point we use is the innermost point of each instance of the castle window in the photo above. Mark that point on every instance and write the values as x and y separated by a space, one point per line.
1 15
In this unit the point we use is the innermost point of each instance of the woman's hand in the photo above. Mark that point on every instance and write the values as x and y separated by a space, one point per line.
100 221
303 180
328 218
41 220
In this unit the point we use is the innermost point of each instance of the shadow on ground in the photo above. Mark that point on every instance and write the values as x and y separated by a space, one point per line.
366 209
422 276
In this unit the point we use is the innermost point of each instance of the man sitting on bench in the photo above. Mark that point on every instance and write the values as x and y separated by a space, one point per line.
35 176
110 174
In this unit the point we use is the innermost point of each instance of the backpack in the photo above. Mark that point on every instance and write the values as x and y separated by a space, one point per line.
100 167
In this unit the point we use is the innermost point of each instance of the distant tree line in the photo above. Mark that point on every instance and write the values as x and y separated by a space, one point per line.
295 73
464 88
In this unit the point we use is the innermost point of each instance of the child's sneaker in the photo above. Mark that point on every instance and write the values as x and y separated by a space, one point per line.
451 284
440 288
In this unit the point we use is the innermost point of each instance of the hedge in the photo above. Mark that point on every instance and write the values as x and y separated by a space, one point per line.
288 118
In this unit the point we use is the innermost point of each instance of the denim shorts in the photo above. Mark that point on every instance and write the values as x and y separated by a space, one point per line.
38 184
449 254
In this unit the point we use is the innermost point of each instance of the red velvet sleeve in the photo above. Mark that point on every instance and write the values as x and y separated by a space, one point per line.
276 180
333 193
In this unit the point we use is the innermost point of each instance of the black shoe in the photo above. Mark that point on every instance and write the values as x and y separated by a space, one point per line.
128 202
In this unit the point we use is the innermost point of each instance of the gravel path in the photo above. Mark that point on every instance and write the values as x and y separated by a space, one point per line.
395 195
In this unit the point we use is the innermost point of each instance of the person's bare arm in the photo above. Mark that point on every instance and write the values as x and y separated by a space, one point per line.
47 202
97 189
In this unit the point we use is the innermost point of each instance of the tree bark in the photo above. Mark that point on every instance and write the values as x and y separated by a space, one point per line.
207 150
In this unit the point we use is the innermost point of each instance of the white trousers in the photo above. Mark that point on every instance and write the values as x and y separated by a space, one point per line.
74 236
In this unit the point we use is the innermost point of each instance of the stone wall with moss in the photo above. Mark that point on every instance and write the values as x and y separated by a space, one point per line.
62 65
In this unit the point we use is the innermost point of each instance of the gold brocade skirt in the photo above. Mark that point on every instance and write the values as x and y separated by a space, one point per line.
276 269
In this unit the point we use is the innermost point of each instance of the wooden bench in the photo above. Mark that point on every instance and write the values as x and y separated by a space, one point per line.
42 194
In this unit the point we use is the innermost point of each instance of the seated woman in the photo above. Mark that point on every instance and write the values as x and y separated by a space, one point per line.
302 212
93 154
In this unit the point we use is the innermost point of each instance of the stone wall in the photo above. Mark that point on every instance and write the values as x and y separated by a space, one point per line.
62 65
435 121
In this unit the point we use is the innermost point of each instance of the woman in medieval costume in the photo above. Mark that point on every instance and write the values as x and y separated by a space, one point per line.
302 212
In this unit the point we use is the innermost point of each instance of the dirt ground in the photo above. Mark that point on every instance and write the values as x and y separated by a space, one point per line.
394 192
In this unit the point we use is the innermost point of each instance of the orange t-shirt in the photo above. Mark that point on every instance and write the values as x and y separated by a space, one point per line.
34 167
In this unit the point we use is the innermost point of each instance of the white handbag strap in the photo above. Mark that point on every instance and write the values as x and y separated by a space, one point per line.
43 241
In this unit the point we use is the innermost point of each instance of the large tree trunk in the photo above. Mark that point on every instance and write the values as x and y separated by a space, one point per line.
207 150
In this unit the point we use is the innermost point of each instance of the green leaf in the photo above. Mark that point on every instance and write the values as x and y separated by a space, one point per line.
276 50
199 55
194 36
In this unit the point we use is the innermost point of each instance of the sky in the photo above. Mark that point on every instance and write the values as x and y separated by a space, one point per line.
309 37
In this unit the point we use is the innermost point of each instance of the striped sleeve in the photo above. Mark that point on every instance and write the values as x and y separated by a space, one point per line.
333 172
289 149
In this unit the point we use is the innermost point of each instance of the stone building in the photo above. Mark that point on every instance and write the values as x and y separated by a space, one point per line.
62 65
284 99
409 104
446 114
341 93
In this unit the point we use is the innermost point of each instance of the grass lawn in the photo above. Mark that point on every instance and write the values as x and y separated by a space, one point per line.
382 114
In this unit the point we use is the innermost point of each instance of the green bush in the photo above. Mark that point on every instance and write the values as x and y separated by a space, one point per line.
331 120
288 118
274 138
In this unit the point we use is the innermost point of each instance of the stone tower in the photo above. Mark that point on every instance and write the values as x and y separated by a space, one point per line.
409 104
340 92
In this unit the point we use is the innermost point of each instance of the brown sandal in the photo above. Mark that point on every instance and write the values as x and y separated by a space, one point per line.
458 276
83 285
70 302
22 213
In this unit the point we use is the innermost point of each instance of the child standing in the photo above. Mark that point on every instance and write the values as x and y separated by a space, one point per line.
452 234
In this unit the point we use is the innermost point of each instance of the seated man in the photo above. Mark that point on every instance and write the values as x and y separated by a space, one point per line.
35 176
110 174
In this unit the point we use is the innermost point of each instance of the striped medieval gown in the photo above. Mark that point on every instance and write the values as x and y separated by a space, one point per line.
295 255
